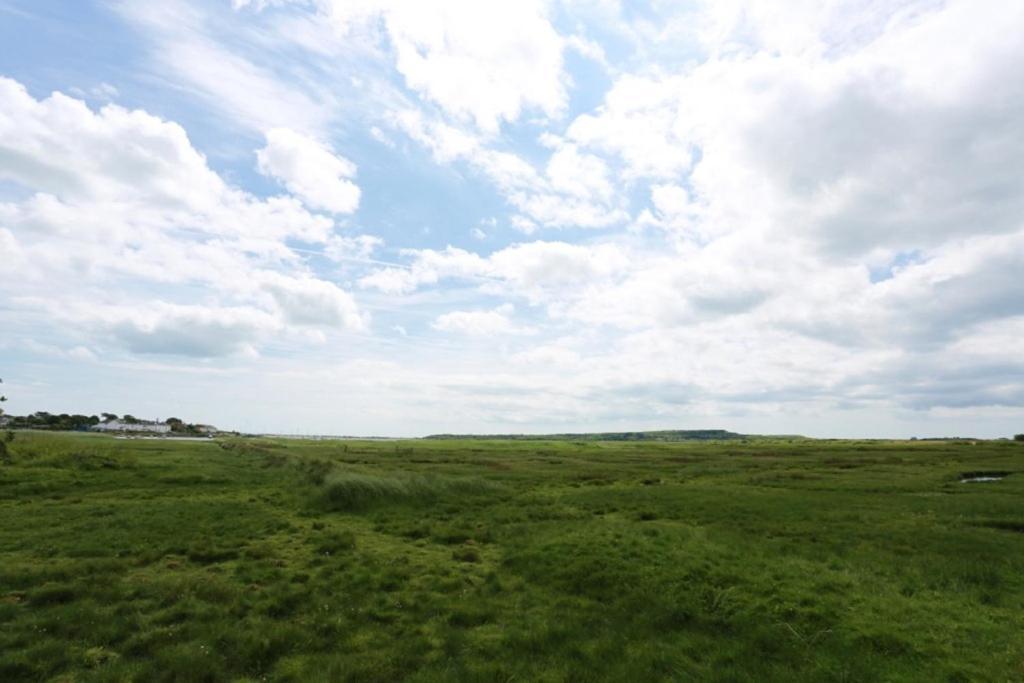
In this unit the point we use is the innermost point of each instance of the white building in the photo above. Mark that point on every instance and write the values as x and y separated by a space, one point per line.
142 426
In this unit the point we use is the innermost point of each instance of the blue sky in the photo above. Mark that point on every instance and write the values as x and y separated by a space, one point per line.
394 217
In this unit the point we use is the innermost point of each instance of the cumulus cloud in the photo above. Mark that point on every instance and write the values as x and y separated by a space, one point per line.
529 268
118 200
480 323
481 62
130 163
428 267
637 122
892 142
310 170
311 301
196 331
573 190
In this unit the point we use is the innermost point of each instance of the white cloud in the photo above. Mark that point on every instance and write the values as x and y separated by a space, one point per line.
120 201
82 353
428 267
574 190
578 174
812 30
588 48
481 62
637 122
534 266
310 170
480 323
446 143
310 301
11 255
893 141
523 224
343 248
76 353
171 329
72 156
104 92
528 268
380 136
185 48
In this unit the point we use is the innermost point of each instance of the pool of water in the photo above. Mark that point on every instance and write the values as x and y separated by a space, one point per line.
978 477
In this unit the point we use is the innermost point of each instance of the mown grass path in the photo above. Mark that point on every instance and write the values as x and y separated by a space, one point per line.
787 560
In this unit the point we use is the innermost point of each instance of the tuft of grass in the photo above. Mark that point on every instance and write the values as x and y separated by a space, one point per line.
351 491
466 554
335 543
51 594
98 656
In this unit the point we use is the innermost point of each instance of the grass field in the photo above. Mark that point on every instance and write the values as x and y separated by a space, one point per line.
759 560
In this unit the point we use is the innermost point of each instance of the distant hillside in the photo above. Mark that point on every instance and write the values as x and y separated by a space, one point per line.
663 435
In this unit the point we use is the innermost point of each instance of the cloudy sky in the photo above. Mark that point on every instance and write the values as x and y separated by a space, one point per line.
401 217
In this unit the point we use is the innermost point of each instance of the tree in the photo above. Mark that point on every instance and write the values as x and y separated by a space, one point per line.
107 417
1018 437
5 456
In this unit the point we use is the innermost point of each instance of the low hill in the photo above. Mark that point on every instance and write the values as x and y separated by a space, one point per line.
662 435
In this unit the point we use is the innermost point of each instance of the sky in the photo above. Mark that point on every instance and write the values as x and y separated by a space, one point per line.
396 217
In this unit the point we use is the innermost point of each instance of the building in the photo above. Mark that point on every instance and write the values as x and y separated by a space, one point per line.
141 426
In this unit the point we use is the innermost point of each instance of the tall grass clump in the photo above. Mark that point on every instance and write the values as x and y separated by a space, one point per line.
348 491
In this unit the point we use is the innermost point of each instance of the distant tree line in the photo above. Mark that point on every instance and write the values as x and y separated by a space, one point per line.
45 420
72 423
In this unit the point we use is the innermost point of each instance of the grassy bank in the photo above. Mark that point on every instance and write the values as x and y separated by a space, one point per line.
494 560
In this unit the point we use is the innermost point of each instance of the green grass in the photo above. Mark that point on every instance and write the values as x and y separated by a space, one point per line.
348 491
745 560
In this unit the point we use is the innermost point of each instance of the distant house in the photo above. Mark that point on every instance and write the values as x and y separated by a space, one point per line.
140 426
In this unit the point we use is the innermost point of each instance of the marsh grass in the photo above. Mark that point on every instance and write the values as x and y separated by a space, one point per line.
350 491
766 560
